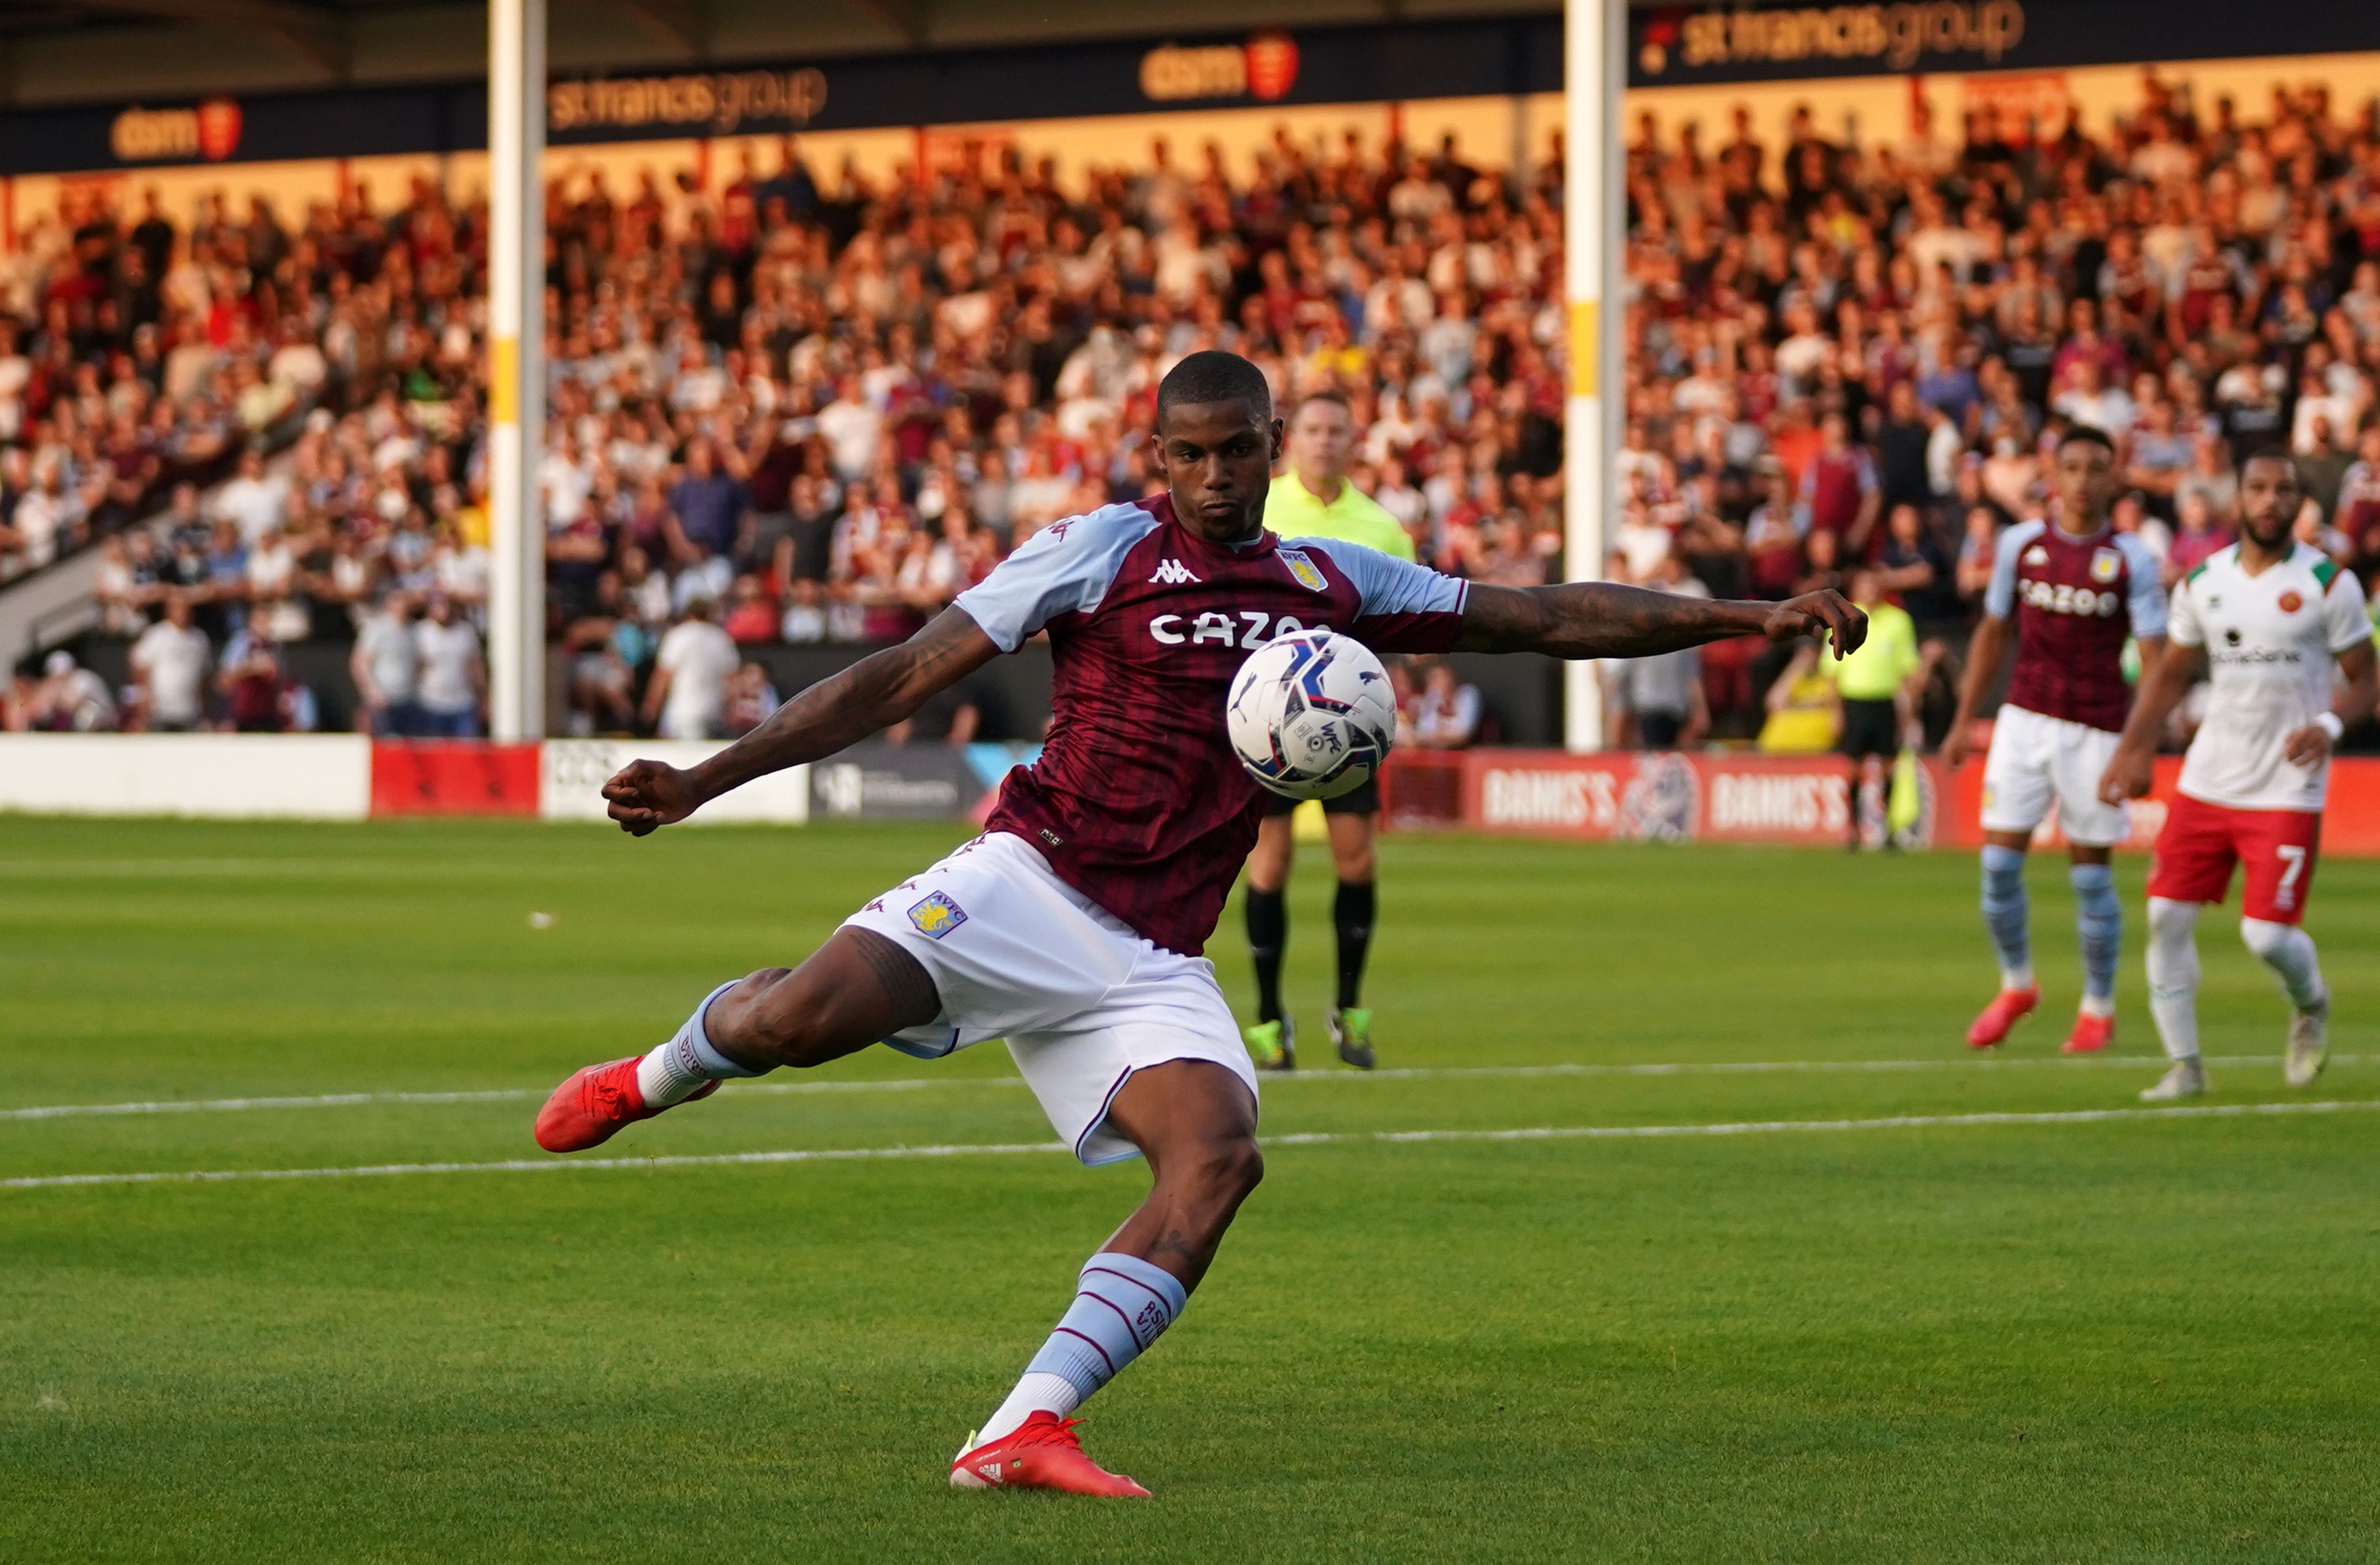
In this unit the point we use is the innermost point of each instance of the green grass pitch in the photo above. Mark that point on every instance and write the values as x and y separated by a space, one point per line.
2127 1338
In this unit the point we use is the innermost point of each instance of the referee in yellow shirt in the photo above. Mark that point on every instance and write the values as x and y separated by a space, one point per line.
1877 685
1313 499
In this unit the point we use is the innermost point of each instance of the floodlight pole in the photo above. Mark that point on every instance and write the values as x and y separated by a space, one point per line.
517 368
1594 206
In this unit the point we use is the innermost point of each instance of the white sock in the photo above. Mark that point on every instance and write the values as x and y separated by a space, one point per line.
676 1071
2173 975
2098 1005
2289 951
1038 1392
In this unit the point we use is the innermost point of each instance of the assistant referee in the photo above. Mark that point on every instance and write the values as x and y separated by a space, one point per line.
1878 686
1313 499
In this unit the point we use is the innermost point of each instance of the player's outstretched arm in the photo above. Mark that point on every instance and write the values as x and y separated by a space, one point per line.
841 709
2164 682
1597 619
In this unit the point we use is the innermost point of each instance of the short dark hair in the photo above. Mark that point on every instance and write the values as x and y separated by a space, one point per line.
2087 435
1335 397
2272 453
1212 375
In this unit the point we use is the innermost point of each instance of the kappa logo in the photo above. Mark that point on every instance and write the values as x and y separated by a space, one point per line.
2036 556
1172 573
937 915
1307 574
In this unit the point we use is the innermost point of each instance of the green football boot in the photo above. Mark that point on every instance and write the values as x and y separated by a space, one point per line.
1352 1031
1272 1045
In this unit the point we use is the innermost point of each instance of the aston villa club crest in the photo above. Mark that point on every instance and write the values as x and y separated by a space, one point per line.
2291 601
1308 574
937 915
2106 565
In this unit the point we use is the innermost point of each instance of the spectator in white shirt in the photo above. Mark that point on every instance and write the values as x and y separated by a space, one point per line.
385 666
71 698
1446 715
2092 401
687 695
452 675
48 511
567 483
851 429
257 501
170 662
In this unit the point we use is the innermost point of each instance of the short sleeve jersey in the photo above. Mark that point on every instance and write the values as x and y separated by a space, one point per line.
1883 662
2075 601
1137 800
2271 640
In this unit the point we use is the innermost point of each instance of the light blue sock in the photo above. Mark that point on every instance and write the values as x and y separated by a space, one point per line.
676 1070
2007 915
1121 1306
2100 915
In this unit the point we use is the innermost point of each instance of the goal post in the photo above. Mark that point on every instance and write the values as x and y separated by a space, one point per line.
1594 205
515 410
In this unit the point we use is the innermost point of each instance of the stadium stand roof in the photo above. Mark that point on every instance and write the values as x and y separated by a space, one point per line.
99 51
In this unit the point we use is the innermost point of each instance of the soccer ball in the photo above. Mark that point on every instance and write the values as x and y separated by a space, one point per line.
1311 715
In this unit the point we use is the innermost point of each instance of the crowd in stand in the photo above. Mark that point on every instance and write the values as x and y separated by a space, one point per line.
1847 358
810 407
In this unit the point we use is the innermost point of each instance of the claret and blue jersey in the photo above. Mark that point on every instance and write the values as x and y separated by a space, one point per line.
1137 800
2075 601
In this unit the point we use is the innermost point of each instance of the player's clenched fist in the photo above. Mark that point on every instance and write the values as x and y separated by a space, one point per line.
645 794
2128 775
1814 613
2308 747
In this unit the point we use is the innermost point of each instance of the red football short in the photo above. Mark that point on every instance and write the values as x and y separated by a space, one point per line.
2201 842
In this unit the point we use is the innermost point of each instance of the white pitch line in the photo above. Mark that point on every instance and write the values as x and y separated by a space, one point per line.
919 1084
235 1105
1309 1138
496 1094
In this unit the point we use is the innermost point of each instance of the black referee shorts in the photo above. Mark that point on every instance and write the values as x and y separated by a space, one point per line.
1870 728
1365 800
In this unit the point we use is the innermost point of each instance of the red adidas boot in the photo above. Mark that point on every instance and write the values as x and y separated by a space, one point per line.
596 1104
1041 1453
2006 1009
2091 1033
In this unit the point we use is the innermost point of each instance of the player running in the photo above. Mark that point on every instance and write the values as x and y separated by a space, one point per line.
1073 925
2265 620
2076 589
1313 499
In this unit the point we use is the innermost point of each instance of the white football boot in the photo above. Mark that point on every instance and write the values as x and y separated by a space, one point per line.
2187 1079
2309 1044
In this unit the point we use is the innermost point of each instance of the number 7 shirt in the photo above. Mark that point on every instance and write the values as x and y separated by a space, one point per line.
2272 643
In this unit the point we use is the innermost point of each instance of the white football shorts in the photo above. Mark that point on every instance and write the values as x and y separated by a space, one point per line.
1083 1000
2034 759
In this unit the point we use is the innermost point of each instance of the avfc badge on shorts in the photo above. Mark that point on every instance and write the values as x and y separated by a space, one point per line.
2106 565
1308 574
2290 602
937 915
